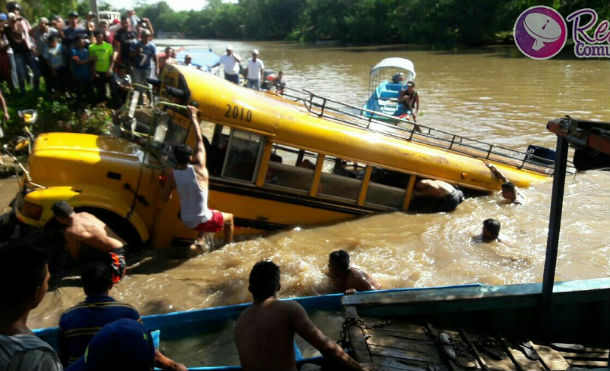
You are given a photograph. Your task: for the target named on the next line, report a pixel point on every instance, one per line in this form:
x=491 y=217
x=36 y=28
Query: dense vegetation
x=440 y=22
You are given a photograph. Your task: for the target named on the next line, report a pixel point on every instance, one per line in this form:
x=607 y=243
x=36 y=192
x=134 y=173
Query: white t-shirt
x=231 y=67
x=254 y=69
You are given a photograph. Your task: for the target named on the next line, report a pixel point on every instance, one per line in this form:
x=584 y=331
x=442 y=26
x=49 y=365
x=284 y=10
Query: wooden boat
x=178 y=326
x=382 y=103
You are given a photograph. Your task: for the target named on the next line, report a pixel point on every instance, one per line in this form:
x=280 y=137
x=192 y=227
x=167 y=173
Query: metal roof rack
x=408 y=130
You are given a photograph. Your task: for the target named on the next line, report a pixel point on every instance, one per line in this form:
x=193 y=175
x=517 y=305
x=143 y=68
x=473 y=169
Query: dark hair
x=340 y=258
x=492 y=226
x=23 y=267
x=182 y=153
x=121 y=67
x=62 y=209
x=97 y=278
x=98 y=32
x=508 y=186
x=264 y=279
x=51 y=39
x=411 y=83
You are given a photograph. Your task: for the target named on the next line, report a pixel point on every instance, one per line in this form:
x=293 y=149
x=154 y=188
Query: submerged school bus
x=273 y=162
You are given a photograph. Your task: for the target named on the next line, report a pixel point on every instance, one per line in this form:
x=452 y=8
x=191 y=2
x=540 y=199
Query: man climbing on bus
x=191 y=179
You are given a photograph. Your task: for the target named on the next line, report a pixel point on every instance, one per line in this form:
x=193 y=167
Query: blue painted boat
x=182 y=325
x=201 y=58
x=382 y=103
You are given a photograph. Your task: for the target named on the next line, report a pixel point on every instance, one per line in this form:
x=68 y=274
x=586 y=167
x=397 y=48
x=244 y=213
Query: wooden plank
x=398 y=343
x=474 y=349
x=551 y=358
x=402 y=335
x=589 y=363
x=383 y=363
x=519 y=359
x=483 y=343
x=586 y=355
x=356 y=337
x=428 y=357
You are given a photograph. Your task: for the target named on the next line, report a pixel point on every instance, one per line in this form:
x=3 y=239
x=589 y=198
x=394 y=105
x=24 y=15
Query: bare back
x=264 y=335
x=87 y=230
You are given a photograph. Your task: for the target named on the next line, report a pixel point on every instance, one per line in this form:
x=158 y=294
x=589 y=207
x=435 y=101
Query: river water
x=491 y=94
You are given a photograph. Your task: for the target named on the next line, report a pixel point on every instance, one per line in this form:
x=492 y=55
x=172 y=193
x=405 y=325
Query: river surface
x=491 y=94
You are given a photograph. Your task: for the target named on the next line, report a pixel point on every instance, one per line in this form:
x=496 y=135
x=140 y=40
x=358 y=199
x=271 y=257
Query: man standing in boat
x=264 y=333
x=230 y=62
x=191 y=179
x=254 y=71
x=410 y=99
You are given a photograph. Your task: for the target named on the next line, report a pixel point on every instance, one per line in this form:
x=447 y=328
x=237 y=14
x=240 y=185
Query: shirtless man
x=191 y=179
x=410 y=99
x=509 y=190
x=490 y=232
x=264 y=333
x=88 y=238
x=348 y=279
x=435 y=196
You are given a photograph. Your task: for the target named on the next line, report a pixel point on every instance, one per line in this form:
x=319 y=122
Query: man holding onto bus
x=191 y=179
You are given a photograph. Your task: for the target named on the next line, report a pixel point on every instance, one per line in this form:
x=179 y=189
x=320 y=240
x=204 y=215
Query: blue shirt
x=81 y=322
x=55 y=56
x=80 y=71
x=147 y=53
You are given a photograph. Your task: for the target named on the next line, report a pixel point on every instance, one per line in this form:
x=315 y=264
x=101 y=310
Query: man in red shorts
x=191 y=179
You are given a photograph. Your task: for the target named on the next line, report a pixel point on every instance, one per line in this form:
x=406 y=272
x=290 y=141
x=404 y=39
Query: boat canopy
x=395 y=63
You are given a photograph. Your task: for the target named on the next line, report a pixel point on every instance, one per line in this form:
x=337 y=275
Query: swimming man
x=348 y=279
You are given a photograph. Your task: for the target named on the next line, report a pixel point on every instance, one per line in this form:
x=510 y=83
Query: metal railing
x=408 y=130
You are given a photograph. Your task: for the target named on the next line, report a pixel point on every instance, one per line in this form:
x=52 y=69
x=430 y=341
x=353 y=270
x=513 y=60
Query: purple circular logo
x=540 y=32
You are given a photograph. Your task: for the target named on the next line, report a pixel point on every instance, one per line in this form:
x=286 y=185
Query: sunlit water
x=488 y=94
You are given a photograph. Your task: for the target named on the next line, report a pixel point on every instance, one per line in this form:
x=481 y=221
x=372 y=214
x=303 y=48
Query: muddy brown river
x=491 y=94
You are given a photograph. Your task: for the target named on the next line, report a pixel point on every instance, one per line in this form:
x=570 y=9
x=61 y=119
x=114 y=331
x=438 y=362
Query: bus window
x=387 y=188
x=291 y=167
x=340 y=179
x=243 y=151
x=216 y=139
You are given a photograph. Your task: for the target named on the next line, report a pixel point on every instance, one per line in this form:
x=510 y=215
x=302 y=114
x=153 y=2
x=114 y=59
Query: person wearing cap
x=254 y=71
x=79 y=324
x=104 y=57
x=124 y=344
x=230 y=62
x=41 y=34
x=24 y=281
x=73 y=30
x=264 y=333
x=17 y=34
x=144 y=54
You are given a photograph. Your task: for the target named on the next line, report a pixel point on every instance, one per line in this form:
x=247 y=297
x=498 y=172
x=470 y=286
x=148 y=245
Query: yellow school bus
x=273 y=162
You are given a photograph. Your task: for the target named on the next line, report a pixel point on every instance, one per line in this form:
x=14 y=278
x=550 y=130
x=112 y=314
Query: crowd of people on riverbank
x=74 y=56
x=94 y=62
